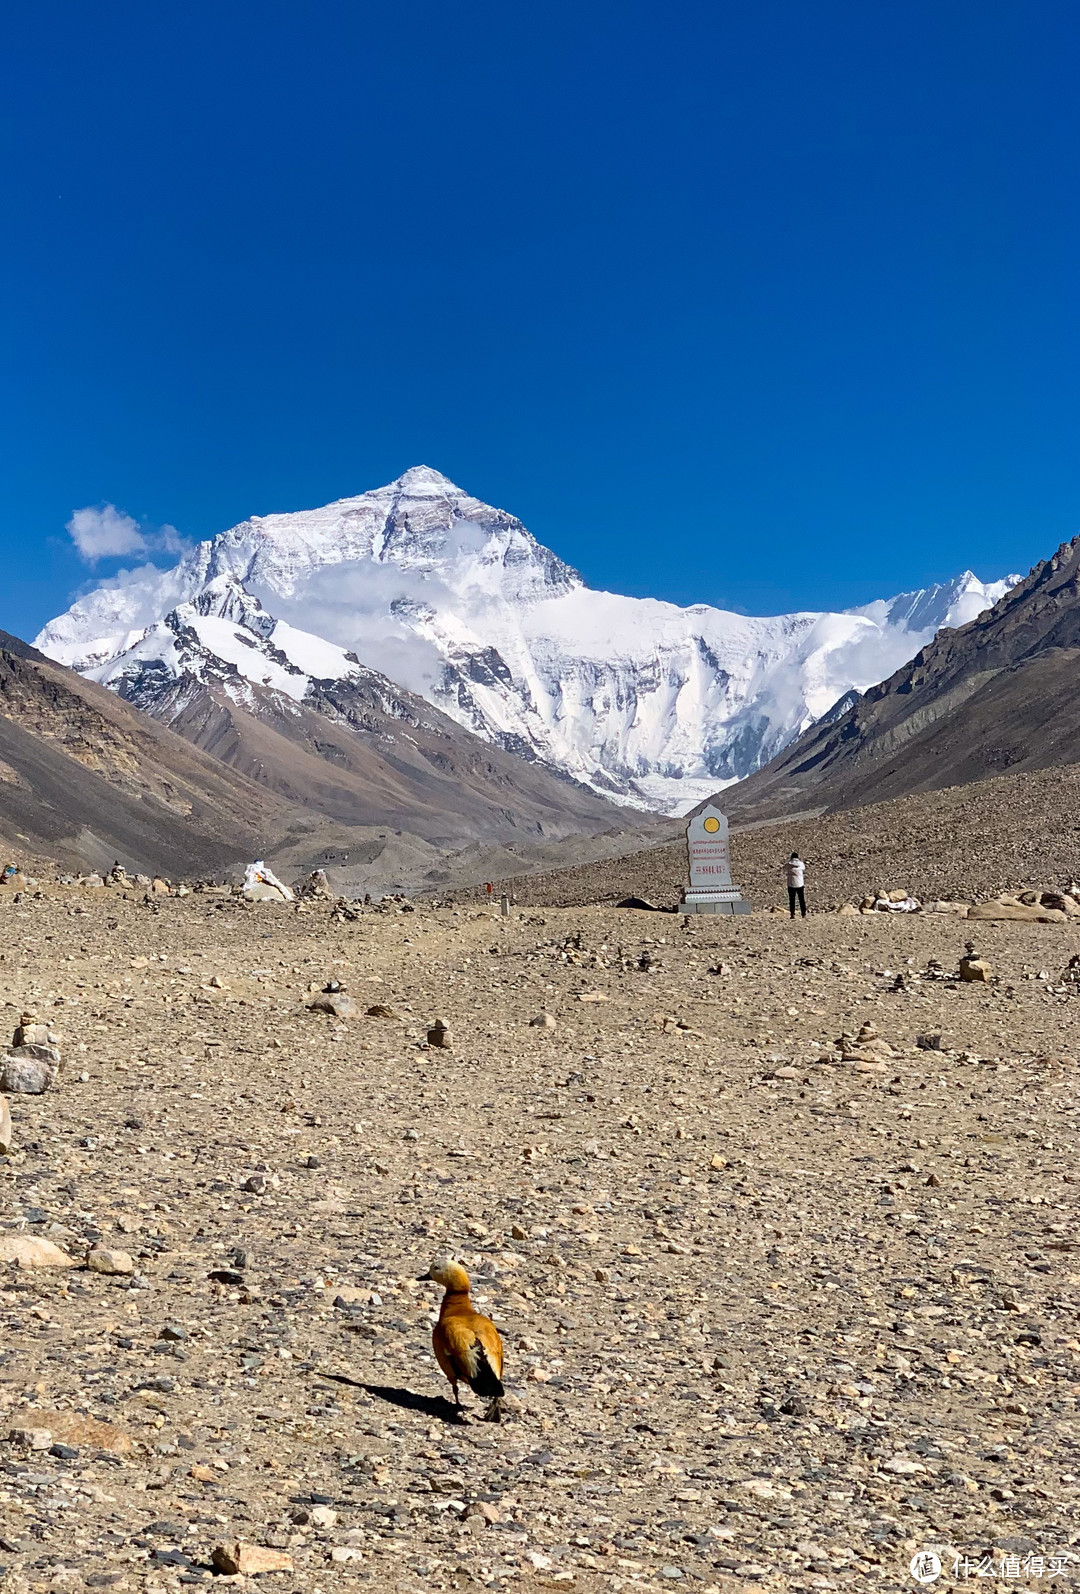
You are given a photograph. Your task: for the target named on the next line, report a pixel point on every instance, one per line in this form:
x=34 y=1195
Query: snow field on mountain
x=649 y=703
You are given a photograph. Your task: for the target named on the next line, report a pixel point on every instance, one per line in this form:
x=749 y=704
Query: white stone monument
x=711 y=889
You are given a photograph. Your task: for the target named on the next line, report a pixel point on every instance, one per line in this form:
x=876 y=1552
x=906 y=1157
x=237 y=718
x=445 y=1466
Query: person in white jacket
x=795 y=870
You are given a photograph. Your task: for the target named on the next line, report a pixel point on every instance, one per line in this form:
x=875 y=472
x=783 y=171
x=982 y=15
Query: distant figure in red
x=795 y=870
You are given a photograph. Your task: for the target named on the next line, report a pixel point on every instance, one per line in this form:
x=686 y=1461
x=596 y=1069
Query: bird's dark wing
x=485 y=1381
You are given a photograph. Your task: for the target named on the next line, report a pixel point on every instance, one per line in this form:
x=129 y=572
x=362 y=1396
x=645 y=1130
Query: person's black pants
x=797 y=893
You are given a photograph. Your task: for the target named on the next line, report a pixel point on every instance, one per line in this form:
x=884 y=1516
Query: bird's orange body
x=467 y=1345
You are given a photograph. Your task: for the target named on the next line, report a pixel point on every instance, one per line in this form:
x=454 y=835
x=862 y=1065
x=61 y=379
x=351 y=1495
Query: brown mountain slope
x=364 y=752
x=87 y=779
x=996 y=694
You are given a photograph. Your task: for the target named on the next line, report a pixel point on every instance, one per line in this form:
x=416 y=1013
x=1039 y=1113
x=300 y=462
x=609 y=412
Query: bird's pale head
x=451 y=1275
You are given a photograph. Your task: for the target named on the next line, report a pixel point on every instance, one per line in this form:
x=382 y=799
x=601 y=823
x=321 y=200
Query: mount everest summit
x=421 y=585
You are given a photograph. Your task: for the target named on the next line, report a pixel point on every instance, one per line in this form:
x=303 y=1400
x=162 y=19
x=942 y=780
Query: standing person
x=795 y=870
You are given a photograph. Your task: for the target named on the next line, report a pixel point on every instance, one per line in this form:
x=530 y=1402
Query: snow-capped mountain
x=649 y=703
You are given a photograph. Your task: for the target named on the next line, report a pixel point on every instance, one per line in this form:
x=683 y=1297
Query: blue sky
x=768 y=305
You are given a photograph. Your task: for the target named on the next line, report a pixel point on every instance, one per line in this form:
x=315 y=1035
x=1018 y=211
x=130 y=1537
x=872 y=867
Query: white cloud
x=353 y=604
x=104 y=532
x=171 y=540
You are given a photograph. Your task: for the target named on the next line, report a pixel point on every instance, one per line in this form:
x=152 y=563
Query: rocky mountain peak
x=423 y=481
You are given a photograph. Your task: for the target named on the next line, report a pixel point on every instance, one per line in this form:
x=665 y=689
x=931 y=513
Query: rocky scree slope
x=456 y=602
x=998 y=693
x=1002 y=834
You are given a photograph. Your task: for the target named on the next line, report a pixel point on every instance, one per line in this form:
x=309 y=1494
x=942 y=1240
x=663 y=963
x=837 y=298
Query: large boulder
x=261 y=892
x=1019 y=912
x=27 y=1252
x=29 y=1070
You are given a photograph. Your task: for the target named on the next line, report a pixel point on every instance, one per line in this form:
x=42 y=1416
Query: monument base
x=729 y=902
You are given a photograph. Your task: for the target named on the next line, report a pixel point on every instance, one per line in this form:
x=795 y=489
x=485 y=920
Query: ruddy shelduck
x=466 y=1344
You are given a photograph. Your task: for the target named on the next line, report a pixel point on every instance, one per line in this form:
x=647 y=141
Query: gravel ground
x=773 y=1322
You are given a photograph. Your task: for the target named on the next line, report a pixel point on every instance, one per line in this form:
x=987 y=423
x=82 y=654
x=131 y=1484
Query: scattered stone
x=30 y=1438
x=227 y=1275
x=336 y=1003
x=543 y=1021
x=160 y=1386
x=865 y=1047
x=439 y=1034
x=484 y=1509
x=30 y=1032
x=102 y=1260
x=76 y=1428
x=972 y=968
x=7 y=1133
x=249 y=1559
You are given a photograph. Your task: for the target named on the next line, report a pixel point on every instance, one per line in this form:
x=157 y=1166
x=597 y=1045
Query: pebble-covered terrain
x=787 y=1296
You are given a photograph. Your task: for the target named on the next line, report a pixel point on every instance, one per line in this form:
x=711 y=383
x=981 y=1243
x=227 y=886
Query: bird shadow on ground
x=431 y=1405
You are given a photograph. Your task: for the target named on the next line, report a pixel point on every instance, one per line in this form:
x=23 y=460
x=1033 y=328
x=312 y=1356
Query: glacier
x=648 y=703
